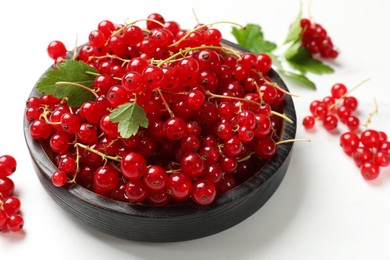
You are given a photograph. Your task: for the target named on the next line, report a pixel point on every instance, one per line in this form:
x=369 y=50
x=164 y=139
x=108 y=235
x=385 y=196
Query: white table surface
x=323 y=208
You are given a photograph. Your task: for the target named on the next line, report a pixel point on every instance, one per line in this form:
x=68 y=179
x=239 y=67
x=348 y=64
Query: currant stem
x=275 y=85
x=212 y=95
x=184 y=52
x=201 y=27
x=75 y=48
x=349 y=92
x=77 y=85
x=73 y=180
x=104 y=156
x=141 y=20
x=171 y=114
x=293 y=140
x=245 y=158
x=368 y=122
x=97 y=74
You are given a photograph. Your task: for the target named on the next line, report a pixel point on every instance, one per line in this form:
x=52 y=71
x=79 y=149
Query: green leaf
x=252 y=38
x=300 y=78
x=130 y=117
x=301 y=59
x=54 y=81
x=295 y=31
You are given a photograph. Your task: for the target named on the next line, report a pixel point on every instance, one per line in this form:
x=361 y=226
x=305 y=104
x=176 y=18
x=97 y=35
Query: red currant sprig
x=370 y=149
x=10 y=218
x=316 y=39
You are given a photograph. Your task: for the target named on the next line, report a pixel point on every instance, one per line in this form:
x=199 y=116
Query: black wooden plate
x=172 y=222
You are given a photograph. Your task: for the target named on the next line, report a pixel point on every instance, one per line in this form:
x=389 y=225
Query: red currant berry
x=7 y=165
x=133 y=166
x=338 y=90
x=203 y=192
x=136 y=190
x=369 y=171
x=179 y=186
x=192 y=165
x=15 y=223
x=106 y=178
x=11 y=205
x=330 y=122
x=349 y=142
x=308 y=122
x=370 y=138
x=155 y=177
x=175 y=128
x=59 y=178
x=56 y=49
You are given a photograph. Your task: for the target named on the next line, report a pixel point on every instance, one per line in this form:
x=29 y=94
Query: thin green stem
x=104 y=156
x=77 y=85
x=201 y=27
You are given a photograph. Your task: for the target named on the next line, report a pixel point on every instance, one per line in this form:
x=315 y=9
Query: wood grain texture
x=172 y=222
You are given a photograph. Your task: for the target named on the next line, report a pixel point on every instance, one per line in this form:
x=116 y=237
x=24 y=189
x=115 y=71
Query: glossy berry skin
x=203 y=192
x=133 y=166
x=15 y=222
x=11 y=205
x=369 y=171
x=192 y=165
x=7 y=165
x=56 y=49
x=155 y=177
x=338 y=90
x=59 y=178
x=308 y=122
x=7 y=187
x=349 y=141
x=330 y=122
x=179 y=186
x=106 y=178
x=175 y=128
x=136 y=190
x=370 y=138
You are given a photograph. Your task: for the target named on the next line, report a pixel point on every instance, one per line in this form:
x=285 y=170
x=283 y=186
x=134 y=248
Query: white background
x=322 y=210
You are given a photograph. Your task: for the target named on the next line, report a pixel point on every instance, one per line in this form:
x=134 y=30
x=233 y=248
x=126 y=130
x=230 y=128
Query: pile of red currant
x=214 y=115
x=370 y=149
x=10 y=218
x=316 y=40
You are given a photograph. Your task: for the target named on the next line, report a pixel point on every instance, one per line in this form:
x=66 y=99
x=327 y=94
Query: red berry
x=7 y=165
x=203 y=192
x=308 y=122
x=369 y=171
x=56 y=49
x=179 y=186
x=59 y=178
x=338 y=90
x=133 y=166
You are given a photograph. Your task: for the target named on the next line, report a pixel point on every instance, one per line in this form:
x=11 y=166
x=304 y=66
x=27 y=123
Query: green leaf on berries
x=301 y=59
x=299 y=78
x=252 y=38
x=130 y=117
x=295 y=32
x=61 y=82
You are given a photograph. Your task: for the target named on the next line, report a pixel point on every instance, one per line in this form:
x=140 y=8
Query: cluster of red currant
x=339 y=106
x=10 y=218
x=316 y=40
x=370 y=149
x=214 y=114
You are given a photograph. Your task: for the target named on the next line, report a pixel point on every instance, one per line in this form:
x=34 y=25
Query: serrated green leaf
x=300 y=78
x=69 y=71
x=301 y=59
x=252 y=39
x=295 y=31
x=130 y=117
